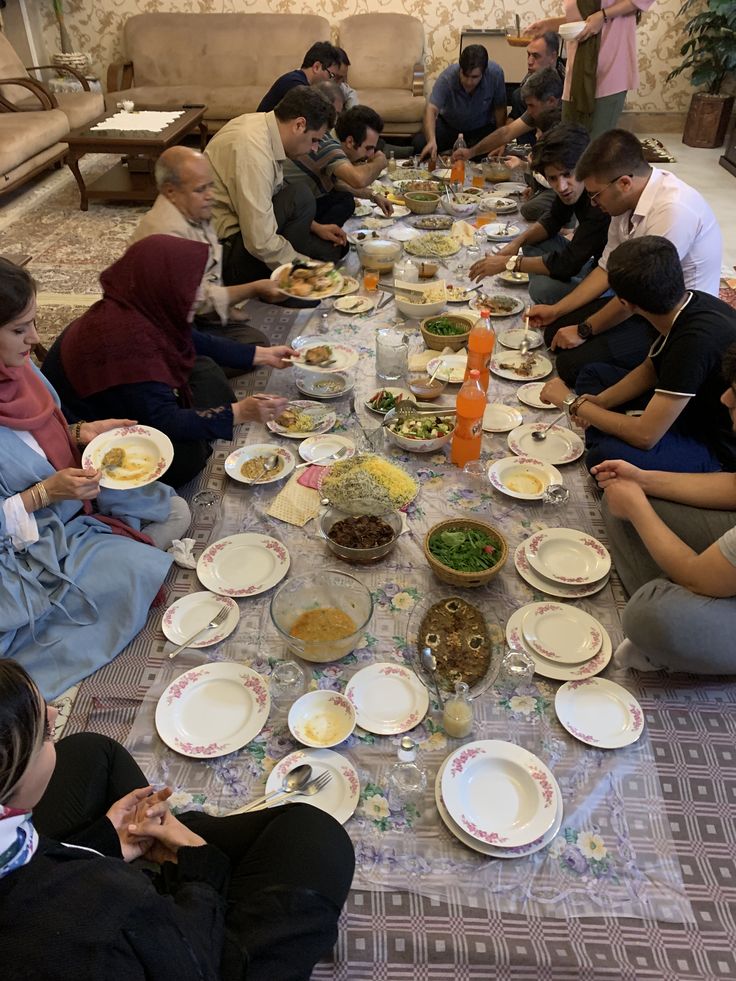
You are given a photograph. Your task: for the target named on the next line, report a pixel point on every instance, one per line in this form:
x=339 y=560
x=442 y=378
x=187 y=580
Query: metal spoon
x=294 y=780
x=430 y=663
x=269 y=464
x=541 y=434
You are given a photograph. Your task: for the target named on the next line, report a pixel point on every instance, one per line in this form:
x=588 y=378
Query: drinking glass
x=555 y=495
x=370 y=280
x=288 y=682
x=206 y=504
x=392 y=354
x=517 y=670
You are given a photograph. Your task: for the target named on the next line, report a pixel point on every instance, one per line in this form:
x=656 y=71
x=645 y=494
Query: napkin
x=310 y=477
x=183 y=551
x=296 y=505
x=464 y=232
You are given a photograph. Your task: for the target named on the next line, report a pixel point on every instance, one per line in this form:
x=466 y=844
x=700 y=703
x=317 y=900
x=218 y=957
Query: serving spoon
x=430 y=663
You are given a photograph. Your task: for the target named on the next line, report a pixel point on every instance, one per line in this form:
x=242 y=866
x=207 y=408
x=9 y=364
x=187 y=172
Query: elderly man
x=320 y=64
x=350 y=96
x=469 y=98
x=261 y=222
x=542 y=52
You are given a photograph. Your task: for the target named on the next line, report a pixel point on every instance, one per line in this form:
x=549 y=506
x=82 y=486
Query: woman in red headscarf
x=135 y=353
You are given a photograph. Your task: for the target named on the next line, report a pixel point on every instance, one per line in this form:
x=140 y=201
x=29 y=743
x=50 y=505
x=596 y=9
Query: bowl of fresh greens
x=465 y=551
x=422 y=433
x=449 y=330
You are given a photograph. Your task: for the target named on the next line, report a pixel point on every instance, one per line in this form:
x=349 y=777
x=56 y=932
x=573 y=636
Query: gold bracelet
x=43 y=495
x=34 y=499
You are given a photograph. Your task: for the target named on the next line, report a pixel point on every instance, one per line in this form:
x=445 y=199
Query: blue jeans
x=547 y=289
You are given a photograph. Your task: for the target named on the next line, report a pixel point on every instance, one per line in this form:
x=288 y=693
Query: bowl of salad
x=465 y=552
x=449 y=330
x=423 y=433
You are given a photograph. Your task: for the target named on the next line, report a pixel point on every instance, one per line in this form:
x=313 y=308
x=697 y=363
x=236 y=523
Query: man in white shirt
x=261 y=222
x=588 y=325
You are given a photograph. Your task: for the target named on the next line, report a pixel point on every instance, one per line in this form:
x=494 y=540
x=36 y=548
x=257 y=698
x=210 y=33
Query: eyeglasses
x=594 y=197
x=332 y=75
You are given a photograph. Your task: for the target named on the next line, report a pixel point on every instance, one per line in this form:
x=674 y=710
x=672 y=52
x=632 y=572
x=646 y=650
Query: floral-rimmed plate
x=243 y=565
x=212 y=710
x=562 y=445
x=388 y=699
x=399 y=211
x=342 y=356
x=147 y=455
x=349 y=285
x=514 y=278
x=237 y=458
x=334 y=286
x=499 y=793
x=557 y=589
x=452 y=370
x=500 y=418
x=501 y=205
x=324 y=420
x=328 y=386
x=341 y=795
x=513 y=338
x=599 y=712
x=497 y=304
x=523 y=477
x=516 y=366
x=493 y=850
x=354 y=304
x=403 y=392
x=568 y=556
x=550 y=669
x=361 y=210
x=192 y=612
x=561 y=633
x=319 y=447
x=529 y=395
x=501 y=231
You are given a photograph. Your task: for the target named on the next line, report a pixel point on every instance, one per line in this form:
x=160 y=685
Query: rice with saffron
x=368 y=478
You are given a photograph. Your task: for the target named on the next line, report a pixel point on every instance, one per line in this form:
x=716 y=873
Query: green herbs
x=384 y=400
x=465 y=550
x=445 y=327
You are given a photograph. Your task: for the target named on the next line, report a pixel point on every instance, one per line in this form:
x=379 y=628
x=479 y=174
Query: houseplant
x=709 y=56
x=67 y=56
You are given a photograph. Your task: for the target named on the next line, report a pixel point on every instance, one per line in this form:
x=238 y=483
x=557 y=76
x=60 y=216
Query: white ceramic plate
x=562 y=445
x=513 y=338
x=331 y=290
x=393 y=391
x=343 y=356
x=500 y=418
x=522 y=477
x=500 y=231
x=324 y=420
x=493 y=850
x=349 y=285
x=499 y=793
x=513 y=362
x=213 y=710
x=568 y=556
x=513 y=278
x=501 y=205
x=148 y=455
x=452 y=370
x=190 y=613
x=361 y=210
x=238 y=457
x=549 y=669
x=511 y=305
x=403 y=233
x=561 y=633
x=341 y=795
x=327 y=386
x=317 y=447
x=243 y=565
x=458 y=294
x=400 y=211
x=529 y=395
x=599 y=712
x=354 y=304
x=508 y=188
x=388 y=699
x=557 y=589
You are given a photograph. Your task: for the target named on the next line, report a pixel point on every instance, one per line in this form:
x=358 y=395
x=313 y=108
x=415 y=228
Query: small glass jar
x=406 y=780
x=457 y=714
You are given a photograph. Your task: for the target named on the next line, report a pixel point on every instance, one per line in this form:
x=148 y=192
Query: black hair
x=543 y=85
x=646 y=271
x=728 y=365
x=548 y=118
x=552 y=41
x=472 y=57
x=17 y=289
x=304 y=101
x=615 y=153
x=356 y=122
x=323 y=52
x=344 y=60
x=561 y=146
x=22 y=725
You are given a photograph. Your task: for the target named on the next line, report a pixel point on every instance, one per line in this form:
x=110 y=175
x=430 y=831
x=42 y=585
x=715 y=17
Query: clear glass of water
x=288 y=682
x=555 y=495
x=206 y=506
x=392 y=354
x=517 y=670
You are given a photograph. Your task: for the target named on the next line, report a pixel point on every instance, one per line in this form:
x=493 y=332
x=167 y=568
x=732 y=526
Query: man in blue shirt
x=321 y=64
x=469 y=98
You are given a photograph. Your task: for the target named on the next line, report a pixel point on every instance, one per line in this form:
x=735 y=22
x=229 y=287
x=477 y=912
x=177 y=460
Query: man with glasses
x=588 y=326
x=321 y=64
x=469 y=98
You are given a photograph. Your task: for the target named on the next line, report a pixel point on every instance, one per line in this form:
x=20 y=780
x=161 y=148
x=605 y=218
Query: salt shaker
x=406 y=780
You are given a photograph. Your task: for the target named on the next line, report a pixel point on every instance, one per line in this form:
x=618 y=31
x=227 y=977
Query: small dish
x=500 y=418
x=321 y=719
x=354 y=304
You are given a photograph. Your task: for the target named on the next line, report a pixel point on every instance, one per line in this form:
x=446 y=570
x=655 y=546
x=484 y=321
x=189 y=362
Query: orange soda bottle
x=457 y=174
x=481 y=341
x=466 y=439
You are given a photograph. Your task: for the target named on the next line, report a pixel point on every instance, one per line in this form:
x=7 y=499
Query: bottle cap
x=407 y=750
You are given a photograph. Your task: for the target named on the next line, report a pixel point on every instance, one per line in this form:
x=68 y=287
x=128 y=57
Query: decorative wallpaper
x=97 y=29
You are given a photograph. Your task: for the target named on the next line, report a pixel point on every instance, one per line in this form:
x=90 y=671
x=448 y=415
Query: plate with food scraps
x=599 y=712
x=354 y=304
x=193 y=612
x=212 y=710
x=402 y=233
x=402 y=174
x=561 y=632
x=362 y=235
x=328 y=386
x=500 y=418
x=361 y=210
x=567 y=555
x=502 y=206
x=452 y=370
x=388 y=698
x=457 y=294
x=386 y=399
x=524 y=477
x=434 y=223
x=530 y=395
x=549 y=669
x=515 y=366
x=318 y=354
x=512 y=189
x=399 y=211
x=243 y=565
x=349 y=285
x=558 y=589
x=561 y=445
x=501 y=231
x=378 y=221
x=302 y=418
x=246 y=463
x=517 y=336
x=497 y=304
x=308 y=279
x=325 y=447
x=514 y=278
x=129 y=456
x=433 y=244
x=339 y=797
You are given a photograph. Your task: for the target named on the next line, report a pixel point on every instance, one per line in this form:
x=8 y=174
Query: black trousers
x=447 y=135
x=334 y=208
x=233 y=330
x=291 y=867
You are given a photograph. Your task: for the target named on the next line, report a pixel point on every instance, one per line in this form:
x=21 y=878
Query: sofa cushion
x=396 y=105
x=79 y=108
x=225 y=102
x=25 y=134
x=383 y=49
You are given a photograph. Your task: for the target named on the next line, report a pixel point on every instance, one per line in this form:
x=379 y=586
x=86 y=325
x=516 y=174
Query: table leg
x=203 y=134
x=73 y=161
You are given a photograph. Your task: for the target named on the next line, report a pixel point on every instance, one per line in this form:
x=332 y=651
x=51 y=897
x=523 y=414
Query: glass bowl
x=378 y=254
x=420 y=385
x=359 y=556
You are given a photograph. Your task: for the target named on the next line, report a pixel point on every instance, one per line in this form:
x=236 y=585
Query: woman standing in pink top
x=601 y=62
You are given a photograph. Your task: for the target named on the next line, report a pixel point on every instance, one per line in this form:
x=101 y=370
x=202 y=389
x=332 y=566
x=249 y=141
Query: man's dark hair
x=544 y=84
x=17 y=289
x=548 y=118
x=728 y=366
x=356 y=122
x=332 y=92
x=323 y=52
x=613 y=154
x=647 y=271
x=552 y=42
x=304 y=101
x=344 y=60
x=562 y=146
x=472 y=57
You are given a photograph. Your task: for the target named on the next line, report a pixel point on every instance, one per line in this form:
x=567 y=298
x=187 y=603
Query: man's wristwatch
x=585 y=330
x=568 y=402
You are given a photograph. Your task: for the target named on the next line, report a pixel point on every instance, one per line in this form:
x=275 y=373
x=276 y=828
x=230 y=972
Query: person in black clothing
x=321 y=64
x=555 y=264
x=253 y=897
x=541 y=52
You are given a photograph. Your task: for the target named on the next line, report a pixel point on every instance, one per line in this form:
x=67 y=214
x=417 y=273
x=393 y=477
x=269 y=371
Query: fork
x=309 y=790
x=218 y=619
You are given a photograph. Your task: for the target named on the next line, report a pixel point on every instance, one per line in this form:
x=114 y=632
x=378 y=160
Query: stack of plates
x=565 y=643
x=563 y=562
x=498 y=799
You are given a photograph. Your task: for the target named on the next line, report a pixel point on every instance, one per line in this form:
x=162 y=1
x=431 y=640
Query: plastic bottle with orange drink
x=457 y=174
x=481 y=341
x=468 y=434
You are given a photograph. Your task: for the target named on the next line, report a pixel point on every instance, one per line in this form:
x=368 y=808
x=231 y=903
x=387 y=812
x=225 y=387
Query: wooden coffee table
x=120 y=183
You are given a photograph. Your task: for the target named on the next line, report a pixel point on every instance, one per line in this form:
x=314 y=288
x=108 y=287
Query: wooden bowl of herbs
x=446 y=330
x=465 y=552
